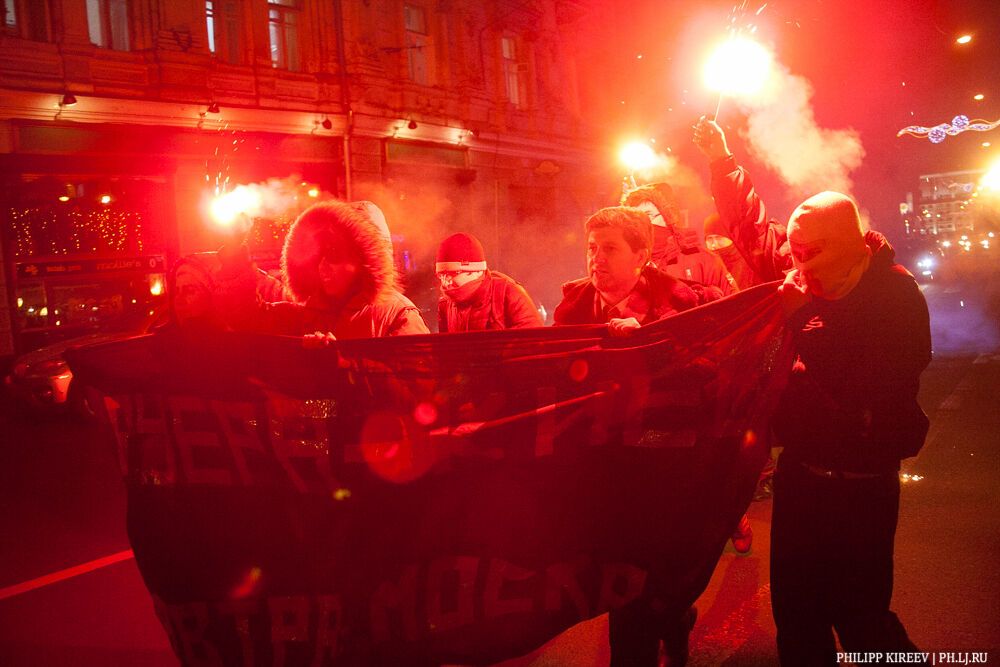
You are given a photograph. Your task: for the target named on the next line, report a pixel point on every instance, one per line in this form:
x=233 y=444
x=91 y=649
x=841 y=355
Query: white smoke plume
x=783 y=133
x=276 y=197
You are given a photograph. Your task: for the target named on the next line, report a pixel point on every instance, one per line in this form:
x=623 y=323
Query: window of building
x=27 y=19
x=515 y=71
x=223 y=22
x=10 y=15
x=415 y=22
x=107 y=21
x=283 y=25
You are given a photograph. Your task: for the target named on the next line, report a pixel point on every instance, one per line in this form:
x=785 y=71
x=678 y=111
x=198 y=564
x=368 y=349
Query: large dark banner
x=458 y=498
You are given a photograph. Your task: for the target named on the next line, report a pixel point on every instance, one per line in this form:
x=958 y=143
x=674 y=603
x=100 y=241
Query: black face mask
x=466 y=291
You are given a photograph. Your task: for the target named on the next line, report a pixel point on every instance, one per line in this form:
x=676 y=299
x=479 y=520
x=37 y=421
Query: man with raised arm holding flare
x=847 y=417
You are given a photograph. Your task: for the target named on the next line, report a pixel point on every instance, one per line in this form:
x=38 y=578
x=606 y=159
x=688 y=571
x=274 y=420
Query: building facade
x=121 y=120
x=943 y=206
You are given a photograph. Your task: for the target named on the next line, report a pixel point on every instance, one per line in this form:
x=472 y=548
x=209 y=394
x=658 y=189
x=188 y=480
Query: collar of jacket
x=577 y=305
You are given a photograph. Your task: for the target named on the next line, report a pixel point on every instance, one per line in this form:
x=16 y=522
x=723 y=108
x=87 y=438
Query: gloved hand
x=710 y=138
x=317 y=340
x=622 y=326
x=793 y=293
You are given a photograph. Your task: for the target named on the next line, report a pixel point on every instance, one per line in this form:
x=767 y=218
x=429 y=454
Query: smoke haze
x=783 y=133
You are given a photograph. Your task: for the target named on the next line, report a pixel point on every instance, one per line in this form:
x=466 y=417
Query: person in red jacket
x=625 y=291
x=474 y=298
x=718 y=243
x=762 y=242
x=676 y=248
x=338 y=269
x=678 y=252
x=621 y=288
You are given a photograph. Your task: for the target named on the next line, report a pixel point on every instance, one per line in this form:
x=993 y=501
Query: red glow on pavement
x=62 y=575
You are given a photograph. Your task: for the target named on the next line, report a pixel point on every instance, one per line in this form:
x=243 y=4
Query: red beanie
x=461 y=252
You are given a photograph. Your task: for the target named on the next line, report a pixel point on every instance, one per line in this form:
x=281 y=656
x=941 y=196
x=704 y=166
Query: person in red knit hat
x=474 y=298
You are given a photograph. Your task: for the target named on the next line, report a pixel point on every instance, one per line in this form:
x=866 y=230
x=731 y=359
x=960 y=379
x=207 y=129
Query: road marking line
x=61 y=575
x=954 y=400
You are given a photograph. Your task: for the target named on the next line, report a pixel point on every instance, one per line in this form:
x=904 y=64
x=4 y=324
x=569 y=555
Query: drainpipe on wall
x=345 y=94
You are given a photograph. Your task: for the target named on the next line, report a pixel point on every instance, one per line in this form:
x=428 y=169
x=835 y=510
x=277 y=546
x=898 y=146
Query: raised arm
x=762 y=242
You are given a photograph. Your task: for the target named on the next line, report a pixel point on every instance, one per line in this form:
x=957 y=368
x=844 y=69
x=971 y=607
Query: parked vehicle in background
x=41 y=380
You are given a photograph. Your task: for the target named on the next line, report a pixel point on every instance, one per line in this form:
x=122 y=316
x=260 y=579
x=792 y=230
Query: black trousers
x=831 y=565
x=635 y=632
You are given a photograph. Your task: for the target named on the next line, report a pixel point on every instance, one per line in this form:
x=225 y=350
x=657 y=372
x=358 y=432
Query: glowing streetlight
x=105 y=199
x=978 y=97
x=991 y=179
x=964 y=39
x=738 y=67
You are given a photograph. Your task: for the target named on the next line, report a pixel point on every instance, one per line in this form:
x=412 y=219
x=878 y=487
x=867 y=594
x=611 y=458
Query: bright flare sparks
x=738 y=67
x=226 y=208
x=637 y=155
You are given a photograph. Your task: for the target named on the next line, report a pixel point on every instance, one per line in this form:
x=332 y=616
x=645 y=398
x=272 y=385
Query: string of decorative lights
x=939 y=133
x=43 y=230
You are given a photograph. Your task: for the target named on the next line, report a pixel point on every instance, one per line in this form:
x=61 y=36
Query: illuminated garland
x=958 y=124
x=50 y=231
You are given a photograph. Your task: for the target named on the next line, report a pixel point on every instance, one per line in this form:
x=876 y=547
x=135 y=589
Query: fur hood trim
x=314 y=230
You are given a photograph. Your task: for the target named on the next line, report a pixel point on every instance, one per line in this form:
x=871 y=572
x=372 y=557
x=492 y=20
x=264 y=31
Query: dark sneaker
x=743 y=537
